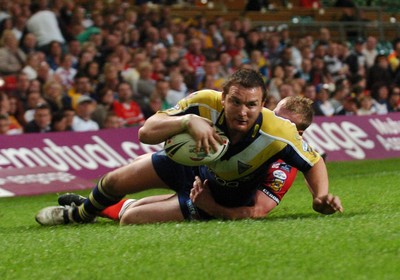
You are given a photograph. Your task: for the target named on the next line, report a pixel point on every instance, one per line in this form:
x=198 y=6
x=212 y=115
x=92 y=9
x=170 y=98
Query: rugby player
x=257 y=138
x=279 y=179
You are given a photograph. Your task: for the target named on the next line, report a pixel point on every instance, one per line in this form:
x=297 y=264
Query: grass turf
x=292 y=243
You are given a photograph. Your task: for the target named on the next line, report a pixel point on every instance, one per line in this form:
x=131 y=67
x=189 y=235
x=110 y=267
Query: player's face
x=242 y=107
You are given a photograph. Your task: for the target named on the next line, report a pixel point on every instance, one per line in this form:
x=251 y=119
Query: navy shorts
x=179 y=178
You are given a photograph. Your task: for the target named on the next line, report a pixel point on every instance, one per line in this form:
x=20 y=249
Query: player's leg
x=144 y=212
x=114 y=212
x=137 y=176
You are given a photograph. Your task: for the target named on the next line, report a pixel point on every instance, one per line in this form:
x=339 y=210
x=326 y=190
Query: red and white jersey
x=278 y=180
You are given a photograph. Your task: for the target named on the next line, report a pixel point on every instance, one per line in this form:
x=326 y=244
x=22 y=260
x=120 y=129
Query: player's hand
x=202 y=130
x=200 y=194
x=327 y=204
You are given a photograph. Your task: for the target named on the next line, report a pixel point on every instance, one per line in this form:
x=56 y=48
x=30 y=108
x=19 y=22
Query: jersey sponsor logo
x=279 y=174
x=285 y=167
x=271 y=195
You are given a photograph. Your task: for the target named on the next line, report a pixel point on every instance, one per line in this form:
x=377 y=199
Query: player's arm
x=202 y=198
x=161 y=126
x=318 y=183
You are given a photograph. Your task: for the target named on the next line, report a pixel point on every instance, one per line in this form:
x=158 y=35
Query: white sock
x=125 y=206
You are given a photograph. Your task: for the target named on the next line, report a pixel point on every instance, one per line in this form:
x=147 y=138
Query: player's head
x=242 y=98
x=298 y=110
x=246 y=78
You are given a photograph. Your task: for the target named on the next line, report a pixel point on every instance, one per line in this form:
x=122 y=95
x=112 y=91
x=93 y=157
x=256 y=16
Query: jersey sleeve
x=278 y=180
x=205 y=103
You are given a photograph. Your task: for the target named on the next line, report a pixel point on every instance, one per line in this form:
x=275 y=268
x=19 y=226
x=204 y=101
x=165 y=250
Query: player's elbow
x=144 y=135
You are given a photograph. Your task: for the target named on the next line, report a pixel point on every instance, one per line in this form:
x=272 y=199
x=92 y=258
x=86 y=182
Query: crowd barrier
x=54 y=162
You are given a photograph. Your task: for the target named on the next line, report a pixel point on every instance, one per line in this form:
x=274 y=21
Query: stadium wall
x=53 y=162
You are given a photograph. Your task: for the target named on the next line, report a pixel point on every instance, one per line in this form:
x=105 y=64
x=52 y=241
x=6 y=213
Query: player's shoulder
x=275 y=125
x=206 y=96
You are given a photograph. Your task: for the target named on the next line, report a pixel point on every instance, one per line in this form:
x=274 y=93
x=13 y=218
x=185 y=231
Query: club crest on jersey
x=277 y=184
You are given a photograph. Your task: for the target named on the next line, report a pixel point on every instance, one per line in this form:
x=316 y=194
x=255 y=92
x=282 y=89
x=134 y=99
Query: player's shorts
x=179 y=178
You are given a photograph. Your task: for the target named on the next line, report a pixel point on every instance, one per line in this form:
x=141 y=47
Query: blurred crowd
x=89 y=65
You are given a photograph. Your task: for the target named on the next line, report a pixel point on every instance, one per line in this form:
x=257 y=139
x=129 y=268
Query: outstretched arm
x=202 y=198
x=318 y=184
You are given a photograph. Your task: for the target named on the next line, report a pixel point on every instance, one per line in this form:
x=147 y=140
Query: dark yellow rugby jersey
x=245 y=164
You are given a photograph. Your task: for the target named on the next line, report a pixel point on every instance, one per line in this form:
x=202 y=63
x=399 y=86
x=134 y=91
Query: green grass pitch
x=292 y=243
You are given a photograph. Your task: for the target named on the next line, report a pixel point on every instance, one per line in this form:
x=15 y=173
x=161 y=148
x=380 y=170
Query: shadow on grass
x=33 y=227
x=313 y=216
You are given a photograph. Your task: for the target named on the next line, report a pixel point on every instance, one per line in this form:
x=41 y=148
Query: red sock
x=112 y=211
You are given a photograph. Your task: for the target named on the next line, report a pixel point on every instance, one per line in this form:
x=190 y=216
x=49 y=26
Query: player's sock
x=112 y=212
x=97 y=201
x=125 y=206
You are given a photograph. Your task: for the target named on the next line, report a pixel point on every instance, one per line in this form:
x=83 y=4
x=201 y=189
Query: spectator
x=394 y=99
x=14 y=126
x=177 y=88
x=12 y=58
x=82 y=120
x=380 y=94
x=110 y=78
x=319 y=73
x=195 y=57
x=104 y=106
x=21 y=87
x=350 y=107
x=258 y=62
x=53 y=94
x=286 y=89
x=44 y=72
x=112 y=121
x=28 y=43
x=337 y=98
x=211 y=75
x=356 y=61
x=275 y=82
x=16 y=110
x=145 y=85
x=321 y=105
x=92 y=70
x=334 y=65
x=41 y=120
x=66 y=72
x=32 y=65
x=310 y=91
x=126 y=108
x=54 y=55
x=379 y=72
x=59 y=122
x=305 y=70
x=366 y=106
x=33 y=99
x=81 y=87
x=4 y=124
x=370 y=52
x=44 y=25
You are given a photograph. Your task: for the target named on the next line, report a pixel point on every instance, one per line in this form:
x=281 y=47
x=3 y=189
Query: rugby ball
x=181 y=148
